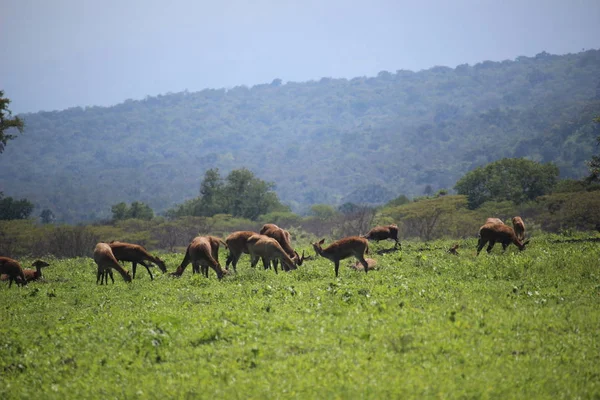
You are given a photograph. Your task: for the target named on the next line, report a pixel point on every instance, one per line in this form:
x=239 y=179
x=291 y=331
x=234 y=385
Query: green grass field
x=427 y=324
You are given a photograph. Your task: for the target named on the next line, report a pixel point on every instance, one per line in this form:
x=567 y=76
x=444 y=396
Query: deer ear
x=321 y=241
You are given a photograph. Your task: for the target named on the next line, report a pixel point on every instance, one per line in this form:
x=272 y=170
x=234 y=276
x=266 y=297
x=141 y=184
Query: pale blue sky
x=63 y=53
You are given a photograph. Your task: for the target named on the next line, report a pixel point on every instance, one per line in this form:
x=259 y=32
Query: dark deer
x=11 y=270
x=135 y=254
x=493 y=233
x=384 y=232
x=351 y=246
x=106 y=262
x=237 y=245
x=269 y=249
x=519 y=227
x=202 y=252
x=283 y=237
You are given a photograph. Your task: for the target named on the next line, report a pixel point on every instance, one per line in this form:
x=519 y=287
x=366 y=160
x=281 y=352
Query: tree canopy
x=594 y=163
x=240 y=194
x=7 y=124
x=514 y=179
x=14 y=209
x=137 y=210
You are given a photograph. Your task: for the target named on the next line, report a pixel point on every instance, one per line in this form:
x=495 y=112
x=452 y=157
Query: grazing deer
x=35 y=274
x=11 y=270
x=106 y=262
x=237 y=245
x=136 y=254
x=267 y=248
x=519 y=227
x=493 y=233
x=351 y=246
x=384 y=232
x=202 y=252
x=283 y=237
x=494 y=221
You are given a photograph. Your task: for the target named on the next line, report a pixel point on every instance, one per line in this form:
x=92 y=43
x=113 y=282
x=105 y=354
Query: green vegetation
x=8 y=124
x=11 y=209
x=514 y=179
x=427 y=324
x=242 y=195
x=365 y=140
x=137 y=210
x=594 y=163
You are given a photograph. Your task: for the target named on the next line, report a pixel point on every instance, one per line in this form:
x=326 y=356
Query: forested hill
x=366 y=139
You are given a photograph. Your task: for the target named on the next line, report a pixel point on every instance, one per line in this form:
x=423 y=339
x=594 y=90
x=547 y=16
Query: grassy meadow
x=426 y=324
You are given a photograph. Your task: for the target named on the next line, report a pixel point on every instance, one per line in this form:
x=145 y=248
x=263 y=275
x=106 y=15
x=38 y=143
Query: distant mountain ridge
x=366 y=139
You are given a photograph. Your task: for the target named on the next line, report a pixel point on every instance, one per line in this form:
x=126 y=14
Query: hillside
x=367 y=139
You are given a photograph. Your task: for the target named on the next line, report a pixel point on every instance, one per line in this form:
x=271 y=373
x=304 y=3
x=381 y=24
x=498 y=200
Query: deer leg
x=195 y=267
x=205 y=270
x=231 y=259
x=98 y=275
x=235 y=261
x=147 y=269
x=337 y=267
x=217 y=268
x=364 y=263
x=490 y=246
x=480 y=245
x=266 y=263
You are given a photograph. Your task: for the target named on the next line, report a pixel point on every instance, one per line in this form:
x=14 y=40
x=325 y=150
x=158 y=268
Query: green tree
x=398 y=201
x=119 y=211
x=47 y=216
x=514 y=179
x=137 y=210
x=322 y=211
x=242 y=195
x=211 y=194
x=7 y=123
x=594 y=163
x=11 y=209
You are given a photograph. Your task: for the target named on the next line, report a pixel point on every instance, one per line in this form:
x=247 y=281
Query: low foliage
x=425 y=324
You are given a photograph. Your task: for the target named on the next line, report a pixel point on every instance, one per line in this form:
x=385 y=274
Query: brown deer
x=267 y=248
x=351 y=246
x=35 y=274
x=519 y=227
x=370 y=261
x=493 y=233
x=453 y=249
x=202 y=252
x=494 y=221
x=11 y=270
x=237 y=245
x=384 y=232
x=283 y=237
x=106 y=262
x=136 y=254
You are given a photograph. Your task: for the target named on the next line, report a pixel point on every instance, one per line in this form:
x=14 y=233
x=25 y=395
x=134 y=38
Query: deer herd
x=272 y=245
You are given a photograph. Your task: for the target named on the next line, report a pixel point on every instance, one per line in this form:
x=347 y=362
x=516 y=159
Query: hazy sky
x=63 y=53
